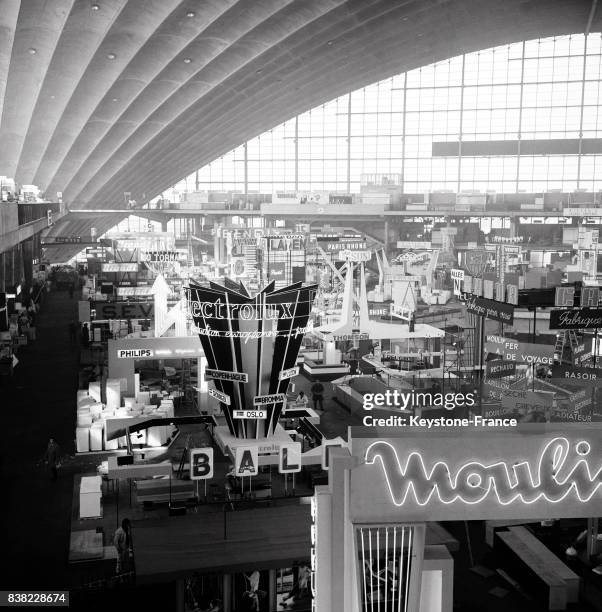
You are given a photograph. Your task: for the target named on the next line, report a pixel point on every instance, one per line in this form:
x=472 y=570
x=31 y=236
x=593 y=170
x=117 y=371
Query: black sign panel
x=497 y=311
x=498 y=368
x=123 y=310
x=581 y=375
x=578 y=318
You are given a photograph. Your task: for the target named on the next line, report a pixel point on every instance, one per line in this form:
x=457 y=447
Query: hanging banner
x=246 y=461
x=497 y=311
x=510 y=349
x=119 y=267
x=500 y=369
x=579 y=318
x=201 y=463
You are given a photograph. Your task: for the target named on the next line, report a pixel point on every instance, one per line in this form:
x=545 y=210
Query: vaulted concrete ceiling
x=102 y=97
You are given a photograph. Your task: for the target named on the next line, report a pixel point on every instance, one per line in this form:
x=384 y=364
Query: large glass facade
x=520 y=117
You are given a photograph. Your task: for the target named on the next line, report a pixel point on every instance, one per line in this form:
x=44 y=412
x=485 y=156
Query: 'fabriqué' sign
x=468 y=474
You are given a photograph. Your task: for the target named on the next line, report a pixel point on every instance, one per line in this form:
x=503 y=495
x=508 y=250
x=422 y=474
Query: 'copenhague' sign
x=533 y=472
x=580 y=318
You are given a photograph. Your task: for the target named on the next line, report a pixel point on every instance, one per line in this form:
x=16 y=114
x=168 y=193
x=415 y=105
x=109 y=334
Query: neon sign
x=560 y=471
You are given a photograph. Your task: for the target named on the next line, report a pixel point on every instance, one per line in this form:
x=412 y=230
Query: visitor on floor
x=52 y=458
x=122 y=542
x=317 y=392
x=72 y=331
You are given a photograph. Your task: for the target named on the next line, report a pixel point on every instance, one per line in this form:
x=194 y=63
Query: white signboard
x=226 y=375
x=134 y=291
x=219 y=396
x=134 y=353
x=354 y=255
x=289 y=460
x=246 y=461
x=290 y=373
x=251 y=414
x=260 y=400
x=201 y=463
x=119 y=267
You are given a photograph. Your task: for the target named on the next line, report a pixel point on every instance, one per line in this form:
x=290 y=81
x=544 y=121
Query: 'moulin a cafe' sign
x=532 y=471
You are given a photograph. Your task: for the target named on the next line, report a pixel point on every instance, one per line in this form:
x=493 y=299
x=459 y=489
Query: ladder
x=569 y=336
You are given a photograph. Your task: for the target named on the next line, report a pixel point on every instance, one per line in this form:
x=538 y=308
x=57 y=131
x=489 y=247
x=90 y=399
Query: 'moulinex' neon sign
x=562 y=471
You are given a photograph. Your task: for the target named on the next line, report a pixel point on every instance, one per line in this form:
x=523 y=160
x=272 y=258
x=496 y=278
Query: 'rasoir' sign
x=485 y=475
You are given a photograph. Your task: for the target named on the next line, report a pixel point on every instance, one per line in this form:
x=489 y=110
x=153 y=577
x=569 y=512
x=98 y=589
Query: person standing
x=52 y=458
x=85 y=336
x=123 y=542
x=72 y=331
x=317 y=393
x=71 y=290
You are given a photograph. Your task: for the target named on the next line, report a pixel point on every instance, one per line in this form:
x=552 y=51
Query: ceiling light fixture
x=115 y=99
x=95 y=7
x=330 y=43
x=258 y=71
x=111 y=56
x=187 y=60
x=32 y=51
x=190 y=14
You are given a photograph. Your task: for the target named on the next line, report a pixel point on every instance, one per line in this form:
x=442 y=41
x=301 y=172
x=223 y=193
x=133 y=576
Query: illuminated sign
x=477 y=475
x=134 y=353
x=582 y=318
x=226 y=375
x=219 y=396
x=274 y=398
x=247 y=312
x=525 y=352
x=201 y=463
x=343 y=245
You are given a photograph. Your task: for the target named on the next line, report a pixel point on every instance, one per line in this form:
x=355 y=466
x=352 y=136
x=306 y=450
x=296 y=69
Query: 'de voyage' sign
x=524 y=352
x=461 y=474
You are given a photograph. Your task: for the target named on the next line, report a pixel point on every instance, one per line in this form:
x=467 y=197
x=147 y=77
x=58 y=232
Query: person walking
x=317 y=394
x=71 y=290
x=52 y=458
x=72 y=331
x=85 y=336
x=123 y=543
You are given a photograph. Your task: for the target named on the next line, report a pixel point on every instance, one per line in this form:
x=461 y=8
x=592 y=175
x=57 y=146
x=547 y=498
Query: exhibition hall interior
x=300 y=305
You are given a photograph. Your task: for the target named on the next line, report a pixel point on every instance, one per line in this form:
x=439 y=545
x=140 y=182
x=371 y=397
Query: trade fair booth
x=368 y=532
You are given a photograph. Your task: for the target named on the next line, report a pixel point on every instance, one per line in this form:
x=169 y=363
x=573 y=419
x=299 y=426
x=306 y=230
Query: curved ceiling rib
x=98 y=98
x=195 y=133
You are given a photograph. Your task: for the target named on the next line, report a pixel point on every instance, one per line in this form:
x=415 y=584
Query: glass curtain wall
x=520 y=117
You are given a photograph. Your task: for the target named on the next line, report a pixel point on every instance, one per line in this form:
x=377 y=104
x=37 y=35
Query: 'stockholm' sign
x=497 y=311
x=579 y=318
x=477 y=475
x=219 y=396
